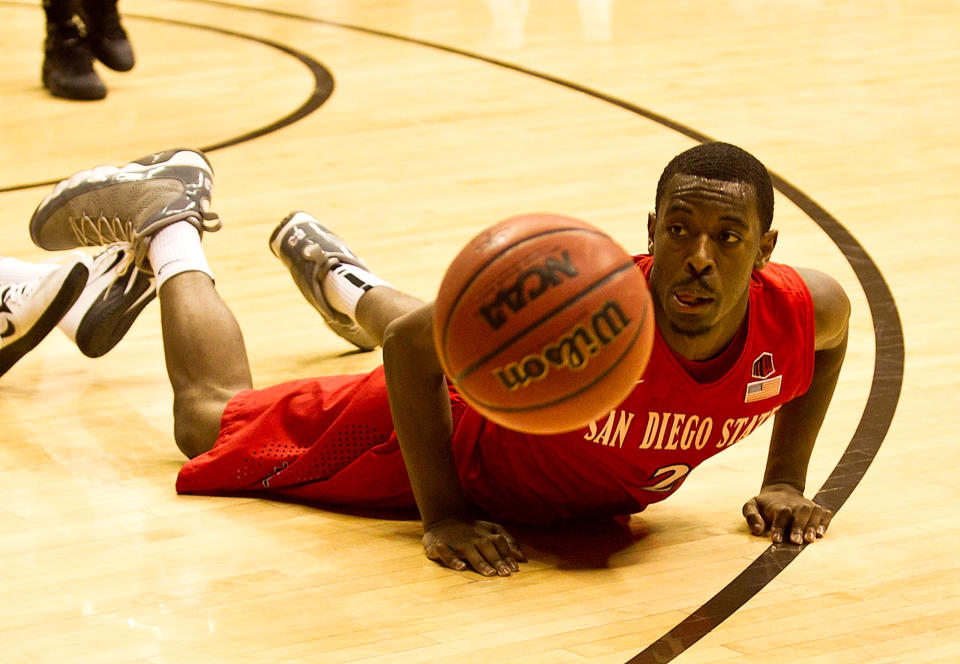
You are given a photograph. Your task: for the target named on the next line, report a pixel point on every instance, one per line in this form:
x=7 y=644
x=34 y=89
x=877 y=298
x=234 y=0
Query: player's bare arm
x=781 y=505
x=420 y=407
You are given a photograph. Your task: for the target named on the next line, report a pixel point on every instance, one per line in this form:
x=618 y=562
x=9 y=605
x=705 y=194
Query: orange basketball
x=543 y=323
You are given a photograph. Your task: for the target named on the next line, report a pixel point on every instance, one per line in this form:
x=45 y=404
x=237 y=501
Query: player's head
x=710 y=231
x=722 y=161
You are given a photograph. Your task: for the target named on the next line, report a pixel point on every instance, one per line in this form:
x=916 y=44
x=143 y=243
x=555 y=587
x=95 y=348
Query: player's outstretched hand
x=486 y=546
x=783 y=509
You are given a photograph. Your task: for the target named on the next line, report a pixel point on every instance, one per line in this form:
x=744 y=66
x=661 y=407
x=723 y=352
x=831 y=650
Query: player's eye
x=729 y=237
x=677 y=230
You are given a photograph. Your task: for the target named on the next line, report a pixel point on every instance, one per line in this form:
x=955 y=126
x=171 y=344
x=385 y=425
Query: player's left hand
x=783 y=509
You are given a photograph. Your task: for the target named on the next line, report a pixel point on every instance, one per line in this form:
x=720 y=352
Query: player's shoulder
x=831 y=306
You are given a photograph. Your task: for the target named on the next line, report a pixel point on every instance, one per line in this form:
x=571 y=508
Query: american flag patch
x=763 y=389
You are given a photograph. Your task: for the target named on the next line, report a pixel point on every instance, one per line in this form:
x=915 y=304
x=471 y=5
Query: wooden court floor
x=408 y=126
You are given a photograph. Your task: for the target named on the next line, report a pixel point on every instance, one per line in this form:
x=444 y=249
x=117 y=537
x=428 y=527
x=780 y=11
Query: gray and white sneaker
x=103 y=205
x=115 y=294
x=309 y=250
x=29 y=310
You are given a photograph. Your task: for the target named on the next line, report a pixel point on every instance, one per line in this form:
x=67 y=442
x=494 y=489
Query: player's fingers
x=492 y=556
x=478 y=562
x=503 y=539
x=515 y=550
x=824 y=522
x=781 y=518
x=754 y=520
x=503 y=548
x=445 y=555
x=800 y=520
x=810 y=533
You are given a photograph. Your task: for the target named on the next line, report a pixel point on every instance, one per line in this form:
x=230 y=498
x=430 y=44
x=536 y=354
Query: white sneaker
x=29 y=310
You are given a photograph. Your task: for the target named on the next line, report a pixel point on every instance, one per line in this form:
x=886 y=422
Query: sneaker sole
x=85 y=92
x=72 y=286
x=98 y=333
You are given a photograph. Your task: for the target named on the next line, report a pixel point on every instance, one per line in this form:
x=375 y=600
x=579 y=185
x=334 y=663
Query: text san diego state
x=672 y=431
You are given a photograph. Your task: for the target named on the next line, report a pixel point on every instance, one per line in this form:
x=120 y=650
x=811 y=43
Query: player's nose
x=700 y=260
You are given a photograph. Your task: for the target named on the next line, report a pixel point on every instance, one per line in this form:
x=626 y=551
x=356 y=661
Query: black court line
x=322 y=89
x=884 y=389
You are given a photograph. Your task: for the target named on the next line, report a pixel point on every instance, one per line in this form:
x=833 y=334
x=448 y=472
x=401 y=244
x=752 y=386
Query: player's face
x=706 y=240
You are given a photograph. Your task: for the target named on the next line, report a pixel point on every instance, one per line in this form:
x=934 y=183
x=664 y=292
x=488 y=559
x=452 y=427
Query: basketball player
x=739 y=340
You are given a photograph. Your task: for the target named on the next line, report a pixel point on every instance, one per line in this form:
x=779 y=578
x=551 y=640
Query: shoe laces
x=322 y=263
x=121 y=265
x=103 y=230
x=210 y=221
x=109 y=230
x=17 y=293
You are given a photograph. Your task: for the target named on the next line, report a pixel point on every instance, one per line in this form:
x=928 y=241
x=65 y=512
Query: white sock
x=177 y=249
x=344 y=285
x=14 y=271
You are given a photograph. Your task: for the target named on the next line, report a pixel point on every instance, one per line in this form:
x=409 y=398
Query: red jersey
x=642 y=451
x=330 y=440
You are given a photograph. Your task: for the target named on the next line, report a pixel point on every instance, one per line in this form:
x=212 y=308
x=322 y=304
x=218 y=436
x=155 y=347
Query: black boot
x=68 y=64
x=105 y=33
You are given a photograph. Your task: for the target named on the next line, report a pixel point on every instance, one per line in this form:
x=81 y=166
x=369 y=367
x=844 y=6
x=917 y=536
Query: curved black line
x=322 y=89
x=878 y=411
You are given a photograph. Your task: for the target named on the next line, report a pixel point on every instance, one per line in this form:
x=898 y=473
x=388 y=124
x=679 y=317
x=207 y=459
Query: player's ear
x=651 y=225
x=767 y=243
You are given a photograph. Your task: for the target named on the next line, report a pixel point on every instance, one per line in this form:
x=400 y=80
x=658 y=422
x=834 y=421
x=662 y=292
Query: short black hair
x=728 y=163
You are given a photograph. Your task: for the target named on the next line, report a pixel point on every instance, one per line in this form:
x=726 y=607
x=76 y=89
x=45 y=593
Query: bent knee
x=196 y=421
x=191 y=443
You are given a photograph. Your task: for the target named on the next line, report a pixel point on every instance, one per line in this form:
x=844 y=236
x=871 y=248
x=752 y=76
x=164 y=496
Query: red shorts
x=328 y=440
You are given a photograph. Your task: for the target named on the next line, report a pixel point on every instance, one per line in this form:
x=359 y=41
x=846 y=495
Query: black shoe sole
x=96 y=336
x=76 y=94
x=276 y=231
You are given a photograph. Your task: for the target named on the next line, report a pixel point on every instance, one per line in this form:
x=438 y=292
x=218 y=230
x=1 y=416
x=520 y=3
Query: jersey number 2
x=669 y=477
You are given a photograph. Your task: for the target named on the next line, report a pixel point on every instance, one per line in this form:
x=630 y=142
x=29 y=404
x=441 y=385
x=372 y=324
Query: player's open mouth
x=690 y=301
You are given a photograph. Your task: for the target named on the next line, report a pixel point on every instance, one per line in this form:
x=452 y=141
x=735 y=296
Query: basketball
x=543 y=323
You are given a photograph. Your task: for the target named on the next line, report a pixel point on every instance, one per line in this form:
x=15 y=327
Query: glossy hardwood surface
x=415 y=151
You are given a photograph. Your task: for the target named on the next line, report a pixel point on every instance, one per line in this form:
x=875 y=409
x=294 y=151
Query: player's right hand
x=486 y=546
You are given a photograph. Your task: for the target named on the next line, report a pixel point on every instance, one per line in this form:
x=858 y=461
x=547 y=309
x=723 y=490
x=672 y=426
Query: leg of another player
x=205 y=356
